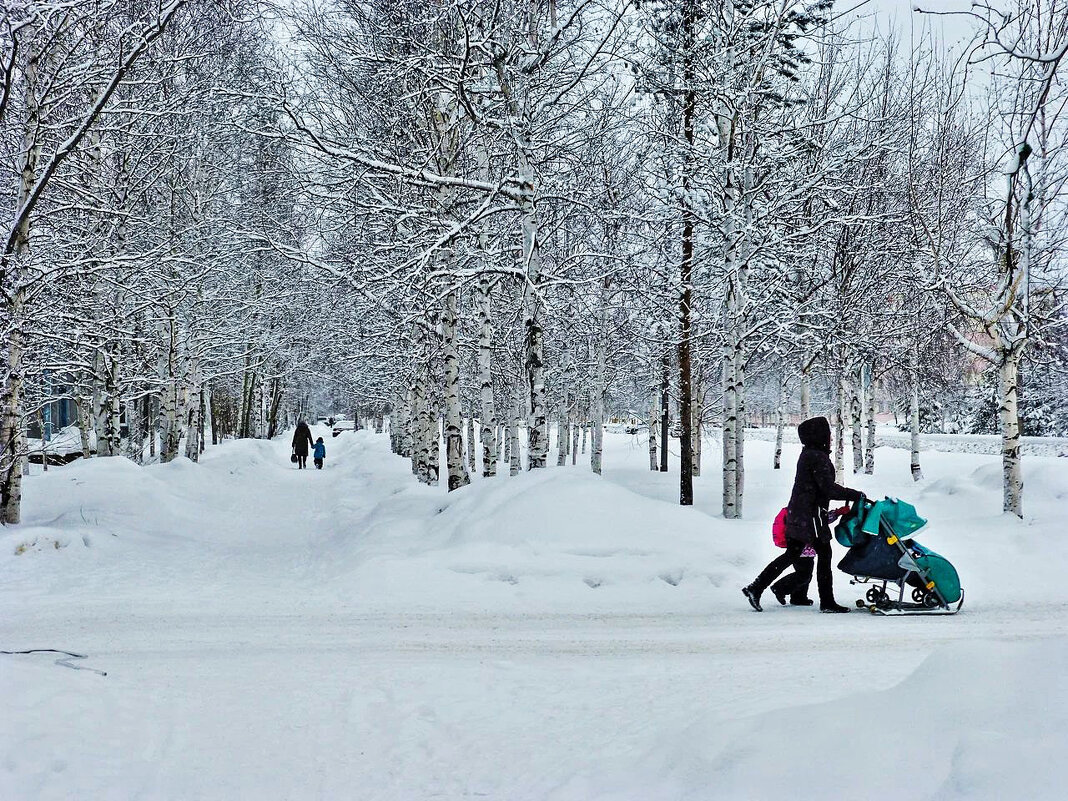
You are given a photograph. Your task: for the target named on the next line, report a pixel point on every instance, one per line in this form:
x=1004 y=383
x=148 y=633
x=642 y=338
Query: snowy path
x=273 y=634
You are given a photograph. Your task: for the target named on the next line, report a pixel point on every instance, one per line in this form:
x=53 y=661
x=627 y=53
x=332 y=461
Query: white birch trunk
x=84 y=424
x=135 y=444
x=696 y=431
x=472 y=465
x=839 y=424
x=575 y=439
x=434 y=435
x=914 y=416
x=488 y=421
x=869 y=450
x=506 y=444
x=739 y=438
x=454 y=443
x=780 y=420
x=99 y=415
x=562 y=436
x=597 y=402
x=654 y=419
x=730 y=436
x=112 y=411
x=406 y=440
x=855 y=413
x=1012 y=473
x=11 y=435
x=417 y=423
x=513 y=463
x=152 y=423
x=537 y=418
x=170 y=407
x=192 y=431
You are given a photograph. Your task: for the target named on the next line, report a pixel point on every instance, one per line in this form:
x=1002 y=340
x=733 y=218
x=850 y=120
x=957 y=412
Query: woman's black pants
x=795 y=583
x=794 y=548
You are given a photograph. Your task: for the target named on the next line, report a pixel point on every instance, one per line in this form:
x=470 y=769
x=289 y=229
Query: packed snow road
x=271 y=633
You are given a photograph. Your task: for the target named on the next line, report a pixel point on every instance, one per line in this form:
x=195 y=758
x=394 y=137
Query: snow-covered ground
x=347 y=634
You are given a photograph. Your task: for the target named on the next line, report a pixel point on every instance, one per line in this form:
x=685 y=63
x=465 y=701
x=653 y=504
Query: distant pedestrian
x=807 y=519
x=319 y=453
x=302 y=439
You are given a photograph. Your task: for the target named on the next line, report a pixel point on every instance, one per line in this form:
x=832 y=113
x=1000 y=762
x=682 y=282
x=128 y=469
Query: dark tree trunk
x=686 y=268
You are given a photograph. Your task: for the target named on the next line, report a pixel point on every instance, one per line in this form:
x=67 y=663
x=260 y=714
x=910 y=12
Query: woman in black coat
x=302 y=440
x=806 y=518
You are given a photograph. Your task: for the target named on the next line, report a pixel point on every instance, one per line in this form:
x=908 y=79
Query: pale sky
x=899 y=13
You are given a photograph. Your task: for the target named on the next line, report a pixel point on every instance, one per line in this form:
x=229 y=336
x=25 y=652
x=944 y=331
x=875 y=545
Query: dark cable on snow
x=65 y=662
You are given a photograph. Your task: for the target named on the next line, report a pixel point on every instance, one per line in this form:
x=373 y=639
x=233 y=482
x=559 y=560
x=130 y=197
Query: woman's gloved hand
x=834 y=514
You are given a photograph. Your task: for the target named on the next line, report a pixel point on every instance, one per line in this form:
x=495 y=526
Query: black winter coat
x=814 y=484
x=302 y=440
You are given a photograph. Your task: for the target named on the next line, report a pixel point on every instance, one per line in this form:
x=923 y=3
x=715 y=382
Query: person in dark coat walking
x=807 y=517
x=302 y=441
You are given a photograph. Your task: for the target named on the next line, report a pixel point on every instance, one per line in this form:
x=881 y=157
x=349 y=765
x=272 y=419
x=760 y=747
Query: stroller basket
x=882 y=549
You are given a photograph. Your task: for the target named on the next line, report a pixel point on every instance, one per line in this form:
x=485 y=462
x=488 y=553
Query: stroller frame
x=926 y=601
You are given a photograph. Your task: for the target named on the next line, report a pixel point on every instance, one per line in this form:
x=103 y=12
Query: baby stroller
x=882 y=552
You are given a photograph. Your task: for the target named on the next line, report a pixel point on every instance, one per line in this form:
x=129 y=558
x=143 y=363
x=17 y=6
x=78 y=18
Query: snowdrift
x=978 y=720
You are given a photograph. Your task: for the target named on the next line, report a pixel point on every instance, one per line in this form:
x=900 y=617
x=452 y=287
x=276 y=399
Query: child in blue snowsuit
x=319 y=453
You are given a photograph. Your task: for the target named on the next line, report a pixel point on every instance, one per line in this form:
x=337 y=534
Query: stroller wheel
x=919 y=596
x=930 y=600
x=878 y=597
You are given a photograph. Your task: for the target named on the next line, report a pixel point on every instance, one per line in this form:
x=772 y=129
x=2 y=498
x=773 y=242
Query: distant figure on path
x=807 y=518
x=302 y=439
x=319 y=453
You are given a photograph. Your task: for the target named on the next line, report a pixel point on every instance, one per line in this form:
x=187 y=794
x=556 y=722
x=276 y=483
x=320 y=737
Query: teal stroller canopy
x=879 y=535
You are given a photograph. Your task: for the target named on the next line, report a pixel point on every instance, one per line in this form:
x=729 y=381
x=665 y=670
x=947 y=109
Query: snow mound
x=553 y=536
x=976 y=720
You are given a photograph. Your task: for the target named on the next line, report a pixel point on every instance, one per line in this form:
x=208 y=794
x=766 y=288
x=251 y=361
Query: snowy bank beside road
x=982 y=721
x=540 y=541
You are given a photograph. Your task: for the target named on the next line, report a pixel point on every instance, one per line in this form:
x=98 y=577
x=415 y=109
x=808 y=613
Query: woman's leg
x=799 y=591
x=824 y=581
